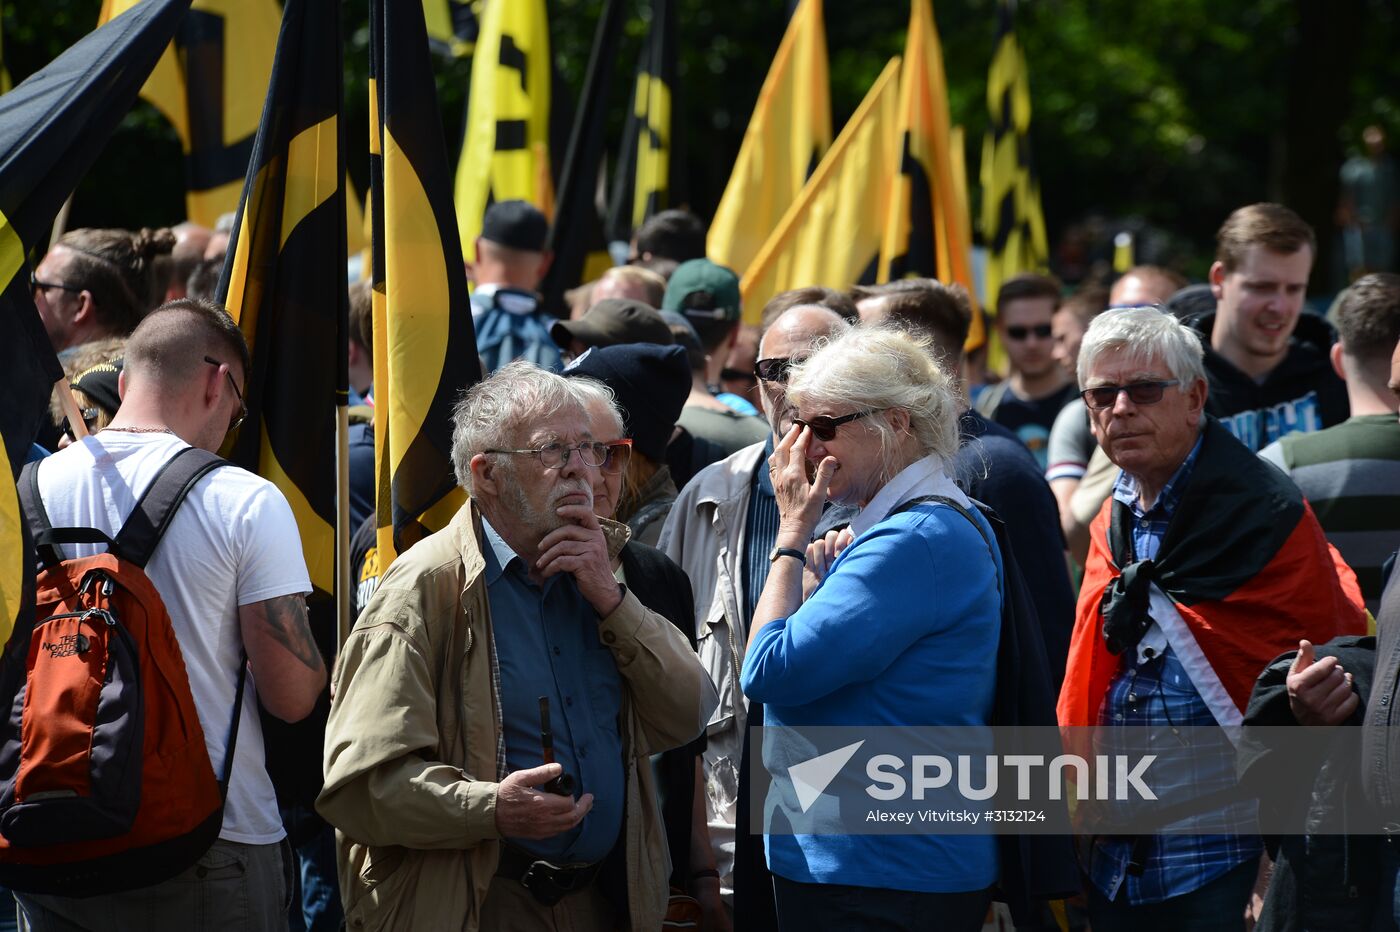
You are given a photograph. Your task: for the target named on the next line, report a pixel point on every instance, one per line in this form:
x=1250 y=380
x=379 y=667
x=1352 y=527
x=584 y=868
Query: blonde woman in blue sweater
x=900 y=625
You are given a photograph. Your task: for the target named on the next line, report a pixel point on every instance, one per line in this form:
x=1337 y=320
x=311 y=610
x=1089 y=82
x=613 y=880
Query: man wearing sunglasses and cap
x=1028 y=400
x=1204 y=565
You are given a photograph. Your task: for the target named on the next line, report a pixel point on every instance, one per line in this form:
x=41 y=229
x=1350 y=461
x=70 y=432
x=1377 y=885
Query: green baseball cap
x=702 y=290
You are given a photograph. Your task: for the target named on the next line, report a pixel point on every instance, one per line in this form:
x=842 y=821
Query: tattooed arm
x=283 y=655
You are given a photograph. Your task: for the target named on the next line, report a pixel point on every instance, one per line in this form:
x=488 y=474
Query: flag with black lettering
x=210 y=85
x=831 y=233
x=1013 y=226
x=285 y=283
x=505 y=152
x=788 y=133
x=53 y=126
x=424 y=345
x=642 y=183
x=923 y=235
x=453 y=26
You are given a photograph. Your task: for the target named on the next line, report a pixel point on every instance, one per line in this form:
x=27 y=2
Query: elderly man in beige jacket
x=449 y=815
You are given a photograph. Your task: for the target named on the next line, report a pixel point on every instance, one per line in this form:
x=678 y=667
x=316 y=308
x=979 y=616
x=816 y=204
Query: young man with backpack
x=227 y=566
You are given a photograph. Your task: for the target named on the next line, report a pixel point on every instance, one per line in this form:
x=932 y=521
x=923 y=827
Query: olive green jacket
x=413 y=747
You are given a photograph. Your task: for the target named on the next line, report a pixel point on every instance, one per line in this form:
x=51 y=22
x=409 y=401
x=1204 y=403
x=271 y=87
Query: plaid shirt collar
x=1125 y=490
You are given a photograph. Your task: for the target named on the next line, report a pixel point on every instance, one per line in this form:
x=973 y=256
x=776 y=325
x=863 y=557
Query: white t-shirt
x=232 y=542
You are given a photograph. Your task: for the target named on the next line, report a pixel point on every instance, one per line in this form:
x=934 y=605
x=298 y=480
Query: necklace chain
x=139 y=430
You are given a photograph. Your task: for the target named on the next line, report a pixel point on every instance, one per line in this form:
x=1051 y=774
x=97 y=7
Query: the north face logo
x=70 y=645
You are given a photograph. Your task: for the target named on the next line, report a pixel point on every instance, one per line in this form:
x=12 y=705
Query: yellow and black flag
x=53 y=126
x=1013 y=226
x=453 y=25
x=285 y=283
x=424 y=345
x=831 y=233
x=923 y=234
x=576 y=235
x=210 y=85
x=642 y=183
x=788 y=134
x=505 y=152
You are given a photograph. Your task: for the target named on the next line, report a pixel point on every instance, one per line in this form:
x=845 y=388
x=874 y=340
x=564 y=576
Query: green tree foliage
x=1172 y=111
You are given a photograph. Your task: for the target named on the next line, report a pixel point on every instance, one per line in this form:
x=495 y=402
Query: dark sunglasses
x=824 y=428
x=737 y=375
x=36 y=286
x=774 y=370
x=1139 y=393
x=237 y=422
x=1018 y=333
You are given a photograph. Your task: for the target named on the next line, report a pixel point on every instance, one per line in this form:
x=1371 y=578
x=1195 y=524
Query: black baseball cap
x=515 y=225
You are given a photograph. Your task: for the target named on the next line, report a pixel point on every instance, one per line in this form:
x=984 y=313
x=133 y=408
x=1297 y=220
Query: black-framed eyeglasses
x=824 y=428
x=36 y=286
x=1139 y=393
x=610 y=456
x=1019 y=333
x=237 y=422
x=776 y=369
x=737 y=375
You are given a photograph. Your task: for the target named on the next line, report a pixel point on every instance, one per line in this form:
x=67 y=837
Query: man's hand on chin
x=579 y=548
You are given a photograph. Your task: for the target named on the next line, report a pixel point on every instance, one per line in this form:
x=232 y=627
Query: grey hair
x=878 y=368
x=1147 y=333
x=493 y=412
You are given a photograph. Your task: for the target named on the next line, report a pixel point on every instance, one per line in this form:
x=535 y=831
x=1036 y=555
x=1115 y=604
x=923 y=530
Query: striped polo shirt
x=1350 y=474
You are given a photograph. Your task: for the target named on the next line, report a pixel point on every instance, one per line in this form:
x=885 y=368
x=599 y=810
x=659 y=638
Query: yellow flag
x=1012 y=223
x=452 y=25
x=210 y=85
x=788 y=133
x=977 y=331
x=831 y=233
x=923 y=235
x=506 y=152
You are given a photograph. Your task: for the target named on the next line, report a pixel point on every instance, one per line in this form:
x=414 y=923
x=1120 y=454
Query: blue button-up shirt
x=1157 y=695
x=760 y=534
x=547 y=644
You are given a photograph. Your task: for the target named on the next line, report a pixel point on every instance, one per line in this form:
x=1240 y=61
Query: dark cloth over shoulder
x=995 y=468
x=1244 y=562
x=1320 y=881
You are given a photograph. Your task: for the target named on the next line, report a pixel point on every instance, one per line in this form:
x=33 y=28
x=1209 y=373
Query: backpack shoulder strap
x=148 y=521
x=992 y=546
x=32 y=504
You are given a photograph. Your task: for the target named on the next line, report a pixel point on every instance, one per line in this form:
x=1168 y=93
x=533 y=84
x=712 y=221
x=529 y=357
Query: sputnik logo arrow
x=811 y=777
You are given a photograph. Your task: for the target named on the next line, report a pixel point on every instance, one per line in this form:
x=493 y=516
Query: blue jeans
x=1216 y=907
x=1386 y=918
x=316 y=901
x=815 y=907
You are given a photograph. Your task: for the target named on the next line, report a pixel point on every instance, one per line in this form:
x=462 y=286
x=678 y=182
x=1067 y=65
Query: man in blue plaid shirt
x=1204 y=565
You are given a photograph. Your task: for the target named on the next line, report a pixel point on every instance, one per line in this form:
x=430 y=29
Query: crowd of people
x=680 y=527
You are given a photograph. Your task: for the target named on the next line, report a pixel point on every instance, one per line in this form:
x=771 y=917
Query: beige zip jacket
x=412 y=753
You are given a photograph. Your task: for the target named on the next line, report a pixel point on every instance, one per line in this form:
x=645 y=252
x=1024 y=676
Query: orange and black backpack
x=105 y=782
